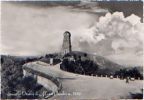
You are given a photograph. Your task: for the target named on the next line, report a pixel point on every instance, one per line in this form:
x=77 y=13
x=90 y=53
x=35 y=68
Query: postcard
x=72 y=49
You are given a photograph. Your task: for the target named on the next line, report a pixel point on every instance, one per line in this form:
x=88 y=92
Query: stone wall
x=47 y=81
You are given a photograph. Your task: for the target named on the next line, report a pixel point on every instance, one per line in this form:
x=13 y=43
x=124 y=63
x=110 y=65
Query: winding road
x=75 y=86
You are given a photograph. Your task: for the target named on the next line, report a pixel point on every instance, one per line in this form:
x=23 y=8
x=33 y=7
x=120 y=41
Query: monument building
x=66 y=46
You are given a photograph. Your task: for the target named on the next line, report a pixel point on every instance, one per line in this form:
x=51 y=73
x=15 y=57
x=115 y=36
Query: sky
x=37 y=29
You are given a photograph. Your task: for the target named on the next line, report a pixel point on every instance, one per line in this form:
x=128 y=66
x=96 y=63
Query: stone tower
x=66 y=47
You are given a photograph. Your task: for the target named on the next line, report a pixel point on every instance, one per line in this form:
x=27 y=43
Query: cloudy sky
x=36 y=28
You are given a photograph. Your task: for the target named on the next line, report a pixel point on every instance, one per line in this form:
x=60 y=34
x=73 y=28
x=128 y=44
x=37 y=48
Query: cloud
x=36 y=31
x=120 y=36
x=123 y=32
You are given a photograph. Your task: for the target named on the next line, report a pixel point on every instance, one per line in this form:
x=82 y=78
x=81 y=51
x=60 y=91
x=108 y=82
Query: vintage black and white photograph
x=72 y=49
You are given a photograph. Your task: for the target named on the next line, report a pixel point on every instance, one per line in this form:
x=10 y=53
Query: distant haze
x=33 y=30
